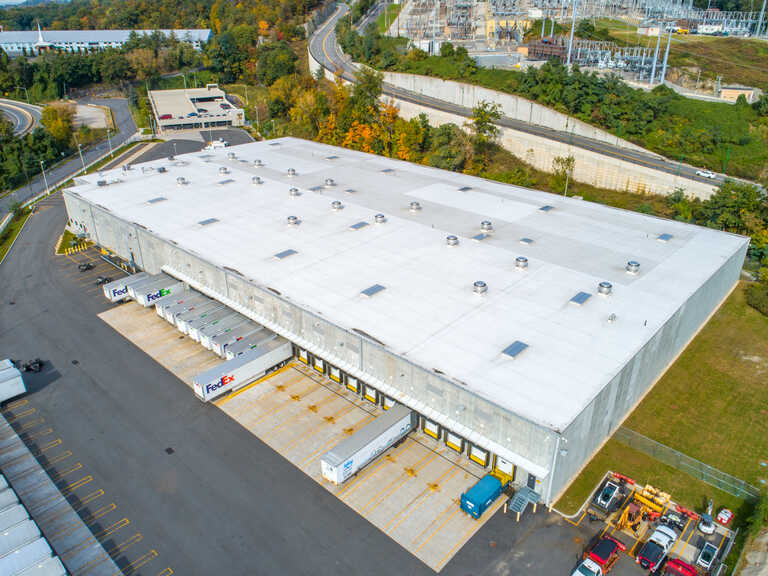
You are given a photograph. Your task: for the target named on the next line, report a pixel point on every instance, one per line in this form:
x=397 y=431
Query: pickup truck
x=656 y=548
x=599 y=560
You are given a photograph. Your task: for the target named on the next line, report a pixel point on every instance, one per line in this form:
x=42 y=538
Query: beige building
x=731 y=93
x=194 y=108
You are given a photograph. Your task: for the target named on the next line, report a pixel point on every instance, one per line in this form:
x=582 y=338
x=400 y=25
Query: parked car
x=599 y=560
x=607 y=495
x=673 y=520
x=192 y=115
x=225 y=106
x=656 y=548
x=33 y=365
x=103 y=280
x=202 y=110
x=677 y=567
x=165 y=116
x=85 y=266
x=706 y=174
x=707 y=556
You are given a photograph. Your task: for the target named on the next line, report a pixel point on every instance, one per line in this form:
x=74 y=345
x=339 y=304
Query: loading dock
x=454 y=441
x=335 y=374
x=431 y=428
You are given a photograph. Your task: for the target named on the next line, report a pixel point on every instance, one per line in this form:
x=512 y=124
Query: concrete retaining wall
x=516 y=107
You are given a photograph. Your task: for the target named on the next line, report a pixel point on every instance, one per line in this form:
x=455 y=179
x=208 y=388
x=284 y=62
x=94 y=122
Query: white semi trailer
x=11 y=382
x=117 y=290
x=353 y=453
x=220 y=343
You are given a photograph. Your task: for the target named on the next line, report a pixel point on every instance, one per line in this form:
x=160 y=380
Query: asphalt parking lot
x=203 y=494
x=189 y=141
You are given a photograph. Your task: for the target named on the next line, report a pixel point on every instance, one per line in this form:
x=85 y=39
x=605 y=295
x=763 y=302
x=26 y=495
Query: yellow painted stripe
x=397 y=481
x=138 y=563
x=355 y=483
x=456 y=511
x=264 y=378
x=444 y=477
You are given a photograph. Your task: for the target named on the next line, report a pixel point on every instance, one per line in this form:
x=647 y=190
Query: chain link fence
x=704 y=472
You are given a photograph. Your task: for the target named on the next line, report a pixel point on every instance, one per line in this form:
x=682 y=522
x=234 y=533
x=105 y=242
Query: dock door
x=371 y=394
x=479 y=455
x=302 y=355
x=353 y=384
x=335 y=374
x=503 y=469
x=454 y=441
x=431 y=428
x=318 y=364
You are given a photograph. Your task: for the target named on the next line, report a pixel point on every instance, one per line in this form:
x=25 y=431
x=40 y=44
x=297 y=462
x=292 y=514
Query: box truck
x=148 y=294
x=11 y=382
x=117 y=290
x=197 y=312
x=242 y=370
x=223 y=326
x=254 y=341
x=219 y=343
x=171 y=311
x=350 y=455
x=194 y=326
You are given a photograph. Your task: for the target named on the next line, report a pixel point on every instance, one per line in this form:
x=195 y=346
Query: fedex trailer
x=148 y=294
x=242 y=370
x=171 y=311
x=194 y=326
x=117 y=290
x=219 y=343
x=350 y=455
x=148 y=280
x=196 y=313
x=258 y=339
x=223 y=326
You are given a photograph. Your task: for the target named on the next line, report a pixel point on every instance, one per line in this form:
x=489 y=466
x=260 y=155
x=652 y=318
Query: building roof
x=562 y=347
x=61 y=36
x=181 y=102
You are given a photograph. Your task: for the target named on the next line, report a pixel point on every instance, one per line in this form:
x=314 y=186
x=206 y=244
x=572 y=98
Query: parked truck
x=117 y=290
x=11 y=381
x=599 y=559
x=253 y=341
x=146 y=281
x=656 y=548
x=148 y=294
x=479 y=498
x=219 y=343
x=224 y=325
x=195 y=326
x=170 y=311
x=242 y=370
x=350 y=455
x=197 y=312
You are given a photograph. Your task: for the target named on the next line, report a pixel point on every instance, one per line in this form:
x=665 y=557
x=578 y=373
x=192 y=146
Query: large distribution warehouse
x=521 y=326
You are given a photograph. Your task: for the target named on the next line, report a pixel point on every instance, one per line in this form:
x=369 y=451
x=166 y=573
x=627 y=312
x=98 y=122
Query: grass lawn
x=712 y=404
x=66 y=242
x=11 y=231
x=387 y=17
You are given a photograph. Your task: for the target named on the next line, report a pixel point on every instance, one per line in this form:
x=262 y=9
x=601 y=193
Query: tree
x=482 y=124
x=57 y=118
x=562 y=172
x=274 y=61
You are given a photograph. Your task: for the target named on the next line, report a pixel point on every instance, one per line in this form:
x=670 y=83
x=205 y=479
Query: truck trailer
x=11 y=381
x=242 y=370
x=148 y=294
x=220 y=343
x=117 y=290
x=253 y=341
x=197 y=312
x=222 y=326
x=146 y=281
x=170 y=311
x=195 y=326
x=350 y=455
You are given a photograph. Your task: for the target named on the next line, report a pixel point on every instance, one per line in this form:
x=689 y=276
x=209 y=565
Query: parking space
x=88 y=270
x=411 y=492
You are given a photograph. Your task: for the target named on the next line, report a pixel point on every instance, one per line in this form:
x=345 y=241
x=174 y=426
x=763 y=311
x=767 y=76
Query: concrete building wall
x=587 y=433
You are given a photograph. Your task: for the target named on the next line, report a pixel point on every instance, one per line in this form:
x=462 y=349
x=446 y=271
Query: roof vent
x=161 y=169
x=515 y=349
x=612 y=318
x=329 y=182
x=580 y=298
x=526 y=241
x=294 y=191
x=414 y=206
x=546 y=208
x=633 y=267
x=358 y=225
x=101 y=183
x=223 y=170
x=465 y=188
x=257 y=180
x=380 y=218
x=604 y=288
x=156 y=200
x=285 y=254
x=372 y=290
x=452 y=240
x=521 y=262
x=208 y=221
x=486 y=226
x=171 y=158
x=480 y=237
x=181 y=181
x=480 y=287
x=664 y=237
x=127 y=167
x=293 y=220
x=258 y=163
x=337 y=205
x=231 y=155
x=291 y=172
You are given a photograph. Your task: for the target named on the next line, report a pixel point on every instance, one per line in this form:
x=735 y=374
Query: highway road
x=24 y=117
x=325 y=50
x=65 y=170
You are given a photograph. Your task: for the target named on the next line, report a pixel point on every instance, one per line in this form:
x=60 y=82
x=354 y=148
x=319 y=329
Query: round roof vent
x=452 y=240
x=291 y=172
x=337 y=205
x=633 y=267
x=181 y=180
x=604 y=288
x=480 y=287
x=486 y=226
x=171 y=158
x=223 y=170
x=380 y=218
x=329 y=182
x=231 y=155
x=257 y=180
x=414 y=206
x=294 y=191
x=521 y=262
x=258 y=163
x=292 y=220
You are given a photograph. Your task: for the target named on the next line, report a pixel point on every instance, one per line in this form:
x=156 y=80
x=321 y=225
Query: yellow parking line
x=456 y=511
x=75 y=485
x=686 y=542
x=63 y=456
x=277 y=388
x=639 y=539
x=103 y=511
x=283 y=405
x=111 y=553
x=579 y=520
x=410 y=508
x=138 y=563
x=362 y=422
x=396 y=482
x=20 y=415
x=166 y=572
x=473 y=527
x=247 y=387
x=318 y=427
x=28 y=425
x=38 y=434
x=48 y=445
x=17 y=404
x=267 y=434
x=683 y=532
x=355 y=483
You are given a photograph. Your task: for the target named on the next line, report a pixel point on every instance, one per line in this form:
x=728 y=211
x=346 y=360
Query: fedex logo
x=223 y=381
x=119 y=292
x=159 y=294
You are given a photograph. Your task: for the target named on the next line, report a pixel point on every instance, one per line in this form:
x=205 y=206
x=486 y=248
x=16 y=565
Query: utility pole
x=79 y=151
x=666 y=56
x=45 y=179
x=758 y=30
x=25 y=91
x=111 y=155
x=573 y=29
x=655 y=59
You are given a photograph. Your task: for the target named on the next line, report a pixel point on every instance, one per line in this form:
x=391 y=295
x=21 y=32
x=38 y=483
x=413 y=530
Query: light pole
x=174 y=149
x=79 y=151
x=111 y=155
x=573 y=29
x=25 y=91
x=42 y=166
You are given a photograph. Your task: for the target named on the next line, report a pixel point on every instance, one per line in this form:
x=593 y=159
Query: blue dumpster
x=478 y=498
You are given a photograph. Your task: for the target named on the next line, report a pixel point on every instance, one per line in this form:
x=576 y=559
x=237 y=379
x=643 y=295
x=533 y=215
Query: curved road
x=23 y=116
x=326 y=51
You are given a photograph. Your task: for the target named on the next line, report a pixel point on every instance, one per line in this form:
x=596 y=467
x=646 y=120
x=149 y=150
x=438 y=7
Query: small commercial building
x=194 y=108
x=649 y=28
x=732 y=92
x=522 y=327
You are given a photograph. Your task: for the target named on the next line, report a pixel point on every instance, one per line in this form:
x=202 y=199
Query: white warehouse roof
x=425 y=307
x=97 y=36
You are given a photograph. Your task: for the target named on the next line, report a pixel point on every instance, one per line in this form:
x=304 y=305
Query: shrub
x=757 y=297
